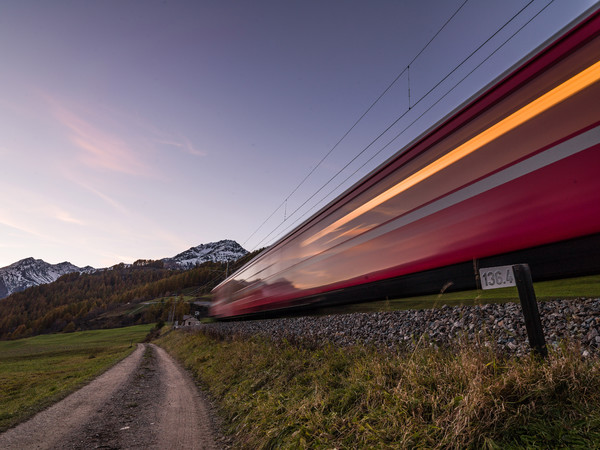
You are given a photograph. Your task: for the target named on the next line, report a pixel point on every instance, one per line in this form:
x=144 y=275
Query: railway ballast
x=499 y=325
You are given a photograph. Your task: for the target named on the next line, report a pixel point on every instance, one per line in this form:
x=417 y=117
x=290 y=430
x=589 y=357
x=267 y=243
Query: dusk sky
x=138 y=129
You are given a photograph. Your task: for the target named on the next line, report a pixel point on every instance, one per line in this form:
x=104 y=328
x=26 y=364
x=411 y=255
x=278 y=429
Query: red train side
x=516 y=168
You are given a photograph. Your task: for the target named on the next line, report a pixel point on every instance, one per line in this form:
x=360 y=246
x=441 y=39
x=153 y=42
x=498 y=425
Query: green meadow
x=38 y=371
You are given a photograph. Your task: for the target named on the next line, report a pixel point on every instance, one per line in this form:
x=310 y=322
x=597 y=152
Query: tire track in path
x=145 y=401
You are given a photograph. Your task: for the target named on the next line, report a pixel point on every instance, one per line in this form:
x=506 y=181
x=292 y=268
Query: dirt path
x=146 y=401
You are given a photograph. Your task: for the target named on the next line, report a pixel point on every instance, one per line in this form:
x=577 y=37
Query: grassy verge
x=281 y=395
x=36 y=372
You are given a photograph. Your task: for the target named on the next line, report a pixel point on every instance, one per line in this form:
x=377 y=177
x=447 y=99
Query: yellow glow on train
x=560 y=93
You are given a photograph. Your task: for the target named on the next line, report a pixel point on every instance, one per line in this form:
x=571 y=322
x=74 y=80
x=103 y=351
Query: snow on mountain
x=222 y=251
x=32 y=272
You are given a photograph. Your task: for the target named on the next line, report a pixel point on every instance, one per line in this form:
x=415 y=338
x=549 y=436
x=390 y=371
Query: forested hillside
x=83 y=301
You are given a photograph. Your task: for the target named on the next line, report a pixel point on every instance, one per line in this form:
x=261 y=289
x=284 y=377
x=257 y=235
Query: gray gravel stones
x=500 y=325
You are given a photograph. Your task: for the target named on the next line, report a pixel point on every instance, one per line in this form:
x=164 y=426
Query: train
x=510 y=176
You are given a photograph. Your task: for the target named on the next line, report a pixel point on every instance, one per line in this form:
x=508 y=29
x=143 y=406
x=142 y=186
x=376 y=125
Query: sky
x=138 y=129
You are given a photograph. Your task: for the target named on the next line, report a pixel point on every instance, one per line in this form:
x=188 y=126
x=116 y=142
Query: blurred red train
x=512 y=176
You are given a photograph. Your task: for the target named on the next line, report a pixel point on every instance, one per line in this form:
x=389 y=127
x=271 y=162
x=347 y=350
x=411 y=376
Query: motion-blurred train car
x=512 y=176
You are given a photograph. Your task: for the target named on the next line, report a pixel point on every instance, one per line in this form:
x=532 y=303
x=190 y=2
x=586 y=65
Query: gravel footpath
x=491 y=324
x=147 y=401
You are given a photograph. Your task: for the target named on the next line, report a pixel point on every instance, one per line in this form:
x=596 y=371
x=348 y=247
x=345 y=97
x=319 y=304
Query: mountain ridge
x=225 y=250
x=30 y=272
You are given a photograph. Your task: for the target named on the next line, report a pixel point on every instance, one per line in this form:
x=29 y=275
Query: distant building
x=189 y=321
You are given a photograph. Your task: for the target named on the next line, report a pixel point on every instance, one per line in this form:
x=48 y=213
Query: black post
x=529 y=305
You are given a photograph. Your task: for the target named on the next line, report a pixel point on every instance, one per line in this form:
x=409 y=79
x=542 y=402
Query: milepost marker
x=519 y=275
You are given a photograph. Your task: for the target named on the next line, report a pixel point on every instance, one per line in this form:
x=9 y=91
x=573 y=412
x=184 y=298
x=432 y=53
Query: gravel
x=500 y=325
x=147 y=401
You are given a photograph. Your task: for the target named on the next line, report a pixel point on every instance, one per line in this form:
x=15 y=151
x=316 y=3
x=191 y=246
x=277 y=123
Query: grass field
x=36 y=372
x=279 y=395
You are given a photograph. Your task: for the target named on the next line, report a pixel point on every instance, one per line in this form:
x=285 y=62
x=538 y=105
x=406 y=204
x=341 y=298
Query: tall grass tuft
x=278 y=394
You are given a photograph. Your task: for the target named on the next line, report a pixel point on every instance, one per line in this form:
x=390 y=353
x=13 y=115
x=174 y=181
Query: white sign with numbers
x=497 y=277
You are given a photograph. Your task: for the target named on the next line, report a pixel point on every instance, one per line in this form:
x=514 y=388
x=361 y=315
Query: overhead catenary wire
x=408 y=83
x=322 y=199
x=385 y=91
x=402 y=116
x=412 y=123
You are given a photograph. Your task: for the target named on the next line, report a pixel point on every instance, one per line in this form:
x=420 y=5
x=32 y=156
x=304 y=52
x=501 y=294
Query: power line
x=355 y=124
x=414 y=121
x=405 y=113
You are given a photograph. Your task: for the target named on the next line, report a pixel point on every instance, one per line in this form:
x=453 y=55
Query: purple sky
x=137 y=129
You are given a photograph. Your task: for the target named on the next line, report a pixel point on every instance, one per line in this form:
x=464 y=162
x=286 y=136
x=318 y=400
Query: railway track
x=501 y=325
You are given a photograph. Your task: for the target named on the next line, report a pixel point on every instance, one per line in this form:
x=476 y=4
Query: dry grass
x=284 y=395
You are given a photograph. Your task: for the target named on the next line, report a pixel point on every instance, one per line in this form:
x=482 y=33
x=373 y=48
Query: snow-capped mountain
x=32 y=272
x=222 y=251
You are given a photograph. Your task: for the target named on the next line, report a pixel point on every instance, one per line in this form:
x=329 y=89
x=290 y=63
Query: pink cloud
x=65 y=216
x=183 y=144
x=100 y=149
x=116 y=150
